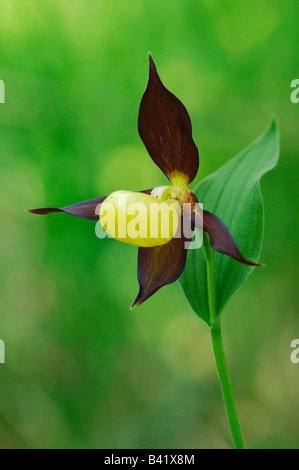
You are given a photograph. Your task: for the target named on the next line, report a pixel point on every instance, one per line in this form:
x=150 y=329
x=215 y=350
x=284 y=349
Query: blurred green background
x=82 y=370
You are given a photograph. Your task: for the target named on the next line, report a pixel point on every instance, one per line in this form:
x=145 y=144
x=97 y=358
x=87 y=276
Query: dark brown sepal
x=165 y=128
x=159 y=266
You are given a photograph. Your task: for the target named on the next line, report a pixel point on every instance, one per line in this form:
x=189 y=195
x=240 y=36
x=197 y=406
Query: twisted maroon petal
x=221 y=239
x=86 y=209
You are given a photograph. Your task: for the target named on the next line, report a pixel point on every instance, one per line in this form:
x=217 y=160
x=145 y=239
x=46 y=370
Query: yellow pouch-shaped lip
x=140 y=219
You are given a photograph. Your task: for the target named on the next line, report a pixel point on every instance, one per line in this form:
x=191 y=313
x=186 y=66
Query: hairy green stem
x=216 y=336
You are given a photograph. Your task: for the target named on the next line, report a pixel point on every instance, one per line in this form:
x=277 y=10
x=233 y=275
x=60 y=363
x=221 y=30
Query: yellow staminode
x=179 y=179
x=140 y=219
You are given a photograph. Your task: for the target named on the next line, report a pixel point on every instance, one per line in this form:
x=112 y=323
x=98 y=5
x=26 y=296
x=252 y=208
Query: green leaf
x=233 y=194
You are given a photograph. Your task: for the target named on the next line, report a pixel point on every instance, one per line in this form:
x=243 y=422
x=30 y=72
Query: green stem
x=219 y=355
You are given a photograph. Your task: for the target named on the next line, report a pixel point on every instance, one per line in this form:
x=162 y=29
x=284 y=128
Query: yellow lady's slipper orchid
x=165 y=129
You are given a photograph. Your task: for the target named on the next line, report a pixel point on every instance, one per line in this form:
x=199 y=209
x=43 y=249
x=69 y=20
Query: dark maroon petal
x=159 y=266
x=221 y=239
x=86 y=209
x=165 y=129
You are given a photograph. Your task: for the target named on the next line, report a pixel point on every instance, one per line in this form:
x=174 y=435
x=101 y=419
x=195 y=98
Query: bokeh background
x=82 y=370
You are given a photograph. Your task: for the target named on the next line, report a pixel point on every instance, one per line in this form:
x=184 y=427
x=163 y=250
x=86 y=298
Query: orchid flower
x=165 y=129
